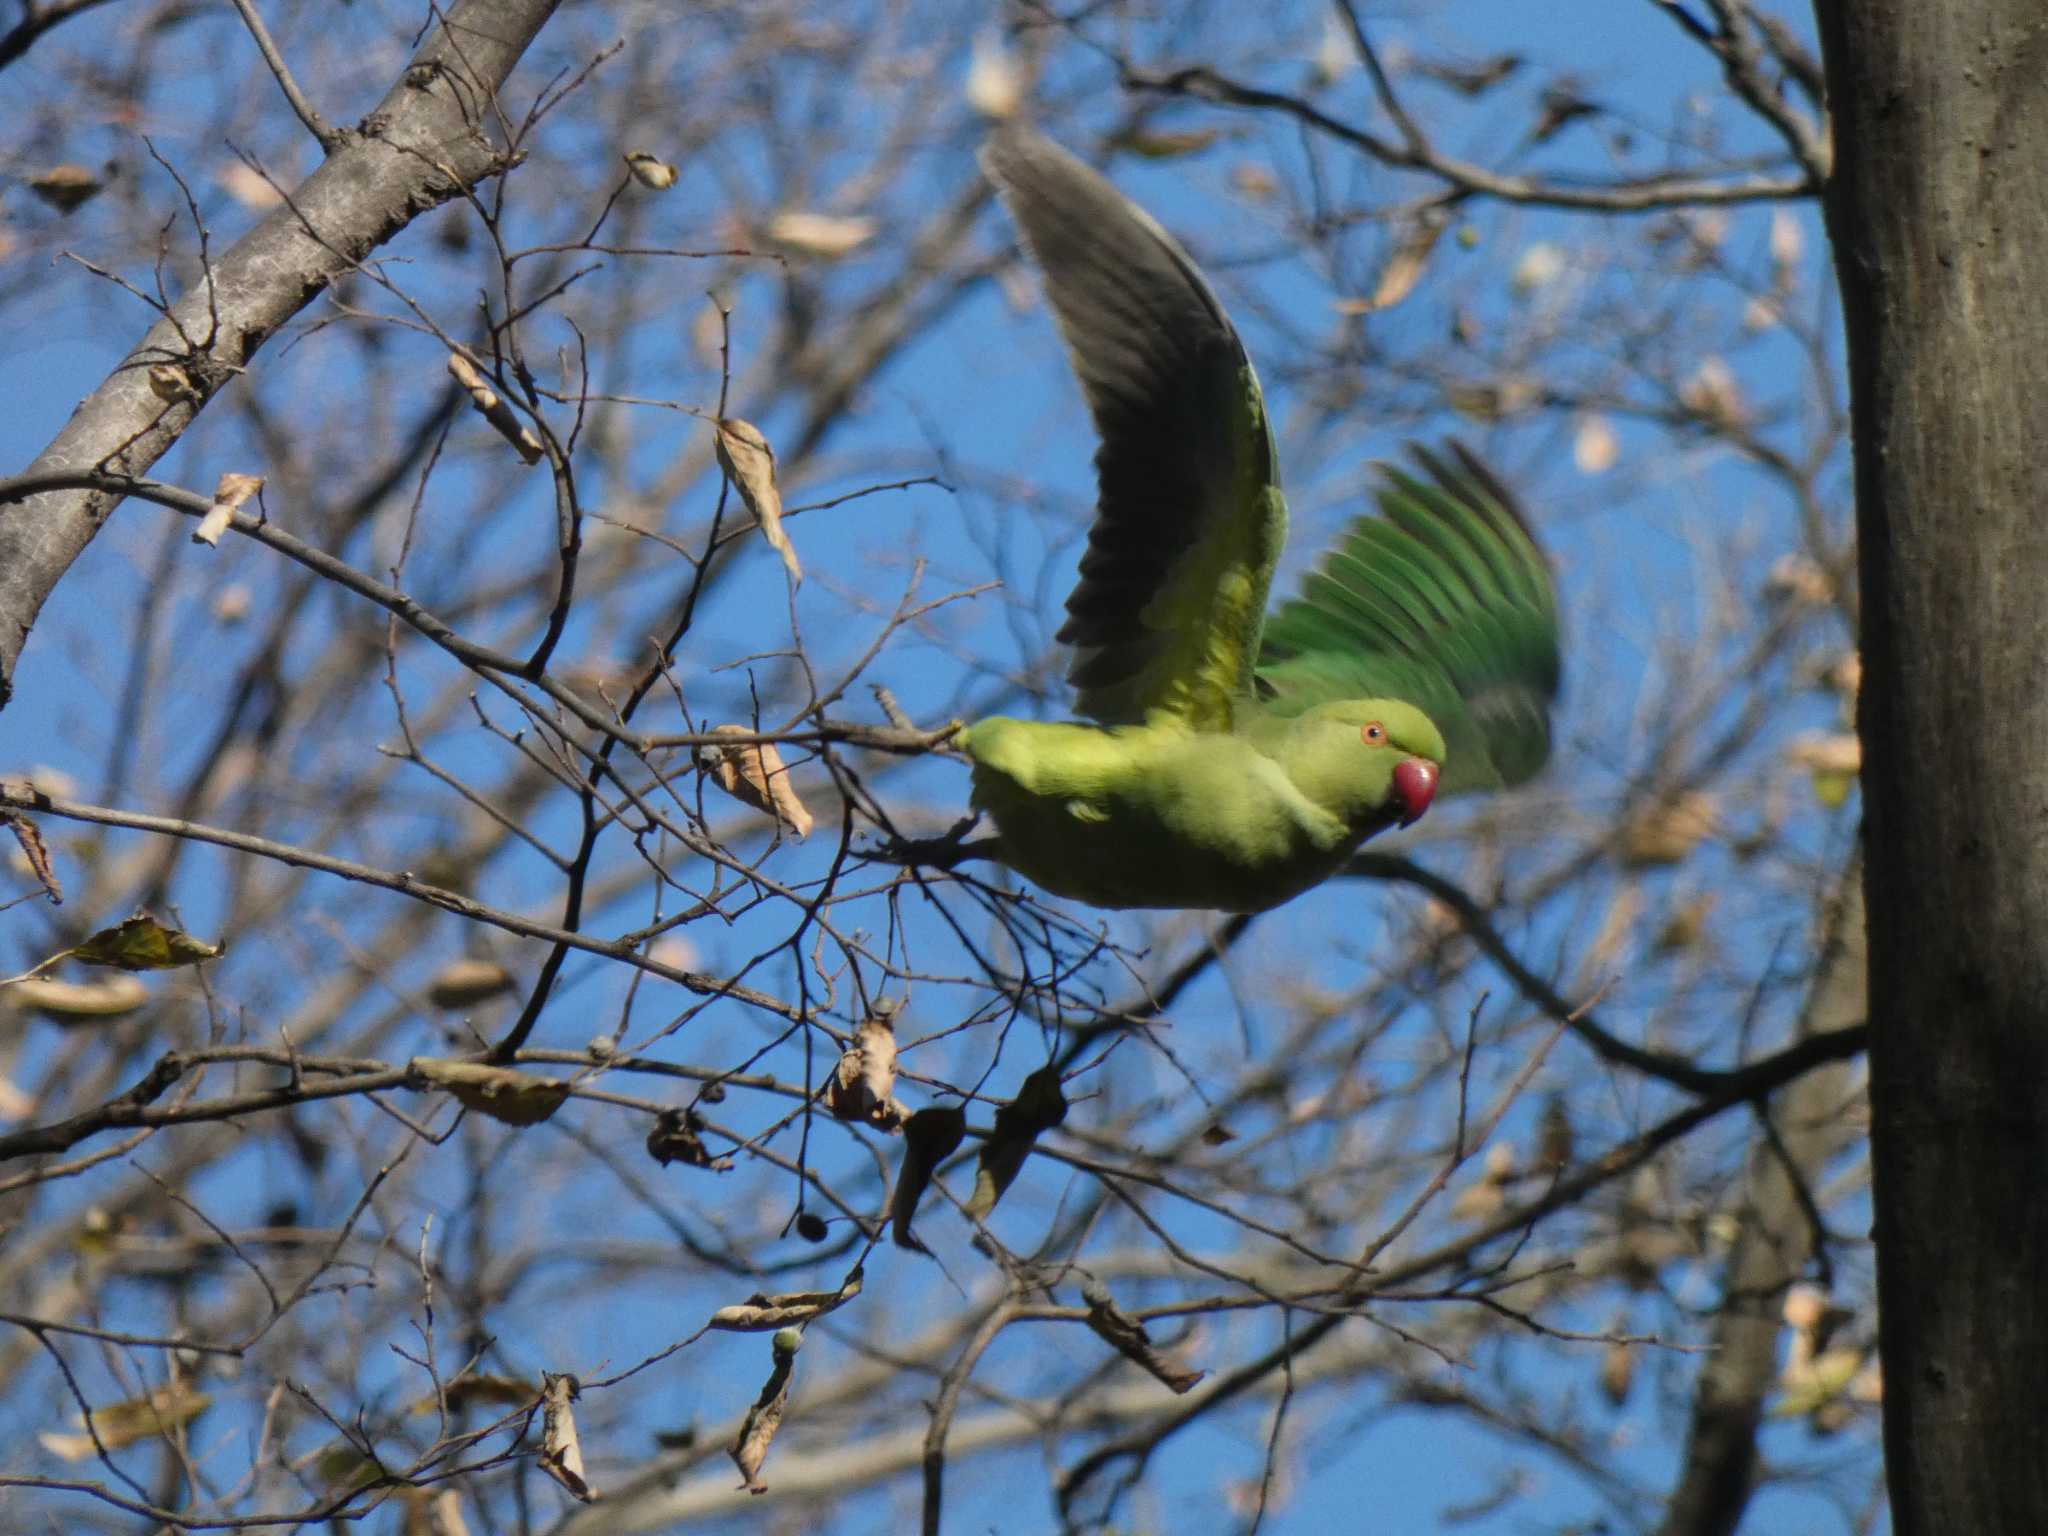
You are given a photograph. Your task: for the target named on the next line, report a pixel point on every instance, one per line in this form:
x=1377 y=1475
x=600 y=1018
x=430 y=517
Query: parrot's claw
x=943 y=852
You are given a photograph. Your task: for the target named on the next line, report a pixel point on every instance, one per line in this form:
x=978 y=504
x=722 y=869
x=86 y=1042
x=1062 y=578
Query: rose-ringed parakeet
x=1236 y=759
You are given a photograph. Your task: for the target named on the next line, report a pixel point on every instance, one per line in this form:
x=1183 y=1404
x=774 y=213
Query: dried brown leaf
x=229 y=495
x=72 y=1002
x=503 y=419
x=749 y=463
x=172 y=384
x=248 y=186
x=139 y=1418
x=825 y=235
x=753 y=773
x=1667 y=830
x=650 y=171
x=1617 y=1371
x=1162 y=144
x=995 y=85
x=465 y=982
x=1406 y=261
x=1594 y=445
x=750 y=1448
x=1039 y=1106
x=66 y=188
x=514 y=1097
x=929 y=1138
x=764 y=1313
x=677 y=1137
x=862 y=1085
x=432 y=1512
x=479 y=1389
x=561 y=1454
x=1712 y=394
x=37 y=854
x=1126 y=1335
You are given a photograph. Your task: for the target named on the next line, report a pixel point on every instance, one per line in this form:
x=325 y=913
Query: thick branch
x=423 y=145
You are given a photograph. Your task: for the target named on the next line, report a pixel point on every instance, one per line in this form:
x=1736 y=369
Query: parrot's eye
x=1373 y=734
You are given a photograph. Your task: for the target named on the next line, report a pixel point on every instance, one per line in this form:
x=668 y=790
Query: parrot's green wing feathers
x=1165 y=618
x=1444 y=601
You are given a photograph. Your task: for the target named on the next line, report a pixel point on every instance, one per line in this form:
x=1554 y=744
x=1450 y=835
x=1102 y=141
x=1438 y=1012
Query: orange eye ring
x=1373 y=734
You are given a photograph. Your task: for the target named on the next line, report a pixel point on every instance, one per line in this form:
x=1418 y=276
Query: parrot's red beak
x=1415 y=782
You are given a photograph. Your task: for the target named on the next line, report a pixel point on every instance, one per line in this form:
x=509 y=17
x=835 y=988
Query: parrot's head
x=1372 y=762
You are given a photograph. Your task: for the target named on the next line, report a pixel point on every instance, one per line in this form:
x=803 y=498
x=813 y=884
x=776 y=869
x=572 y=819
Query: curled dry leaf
x=466 y=982
x=1039 y=1106
x=66 y=188
x=929 y=1137
x=1686 y=926
x=1788 y=244
x=820 y=234
x=1157 y=144
x=478 y=1389
x=862 y=1084
x=1665 y=831
x=37 y=855
x=1404 y=264
x=172 y=384
x=139 y=1418
x=678 y=1137
x=1617 y=1371
x=231 y=604
x=1480 y=1202
x=516 y=1098
x=1126 y=1335
x=650 y=170
x=494 y=410
x=753 y=773
x=1536 y=269
x=1474 y=79
x=1799 y=578
x=1554 y=1136
x=561 y=1455
x=1594 y=445
x=228 y=497
x=248 y=186
x=432 y=1512
x=144 y=944
x=995 y=86
x=749 y=463
x=1713 y=395
x=762 y=1313
x=1253 y=182
x=750 y=1448
x=75 y=1002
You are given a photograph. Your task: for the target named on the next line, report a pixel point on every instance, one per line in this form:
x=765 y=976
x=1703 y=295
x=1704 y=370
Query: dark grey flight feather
x=1162 y=370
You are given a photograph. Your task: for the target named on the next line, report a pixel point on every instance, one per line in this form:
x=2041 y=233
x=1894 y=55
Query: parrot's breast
x=1150 y=817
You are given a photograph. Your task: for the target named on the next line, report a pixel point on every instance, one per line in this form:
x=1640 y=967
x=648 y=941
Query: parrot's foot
x=943 y=852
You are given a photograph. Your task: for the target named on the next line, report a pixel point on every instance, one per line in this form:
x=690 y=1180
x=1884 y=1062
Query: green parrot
x=1236 y=759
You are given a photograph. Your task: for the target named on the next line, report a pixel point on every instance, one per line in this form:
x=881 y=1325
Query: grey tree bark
x=1939 y=214
x=436 y=133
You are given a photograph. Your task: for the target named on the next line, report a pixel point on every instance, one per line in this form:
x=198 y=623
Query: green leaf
x=144 y=944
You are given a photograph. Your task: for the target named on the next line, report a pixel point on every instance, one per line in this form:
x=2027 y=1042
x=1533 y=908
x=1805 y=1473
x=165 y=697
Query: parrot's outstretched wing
x=1165 y=618
x=1444 y=600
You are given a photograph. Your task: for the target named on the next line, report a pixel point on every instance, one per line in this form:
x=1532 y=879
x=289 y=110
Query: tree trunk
x=1938 y=208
